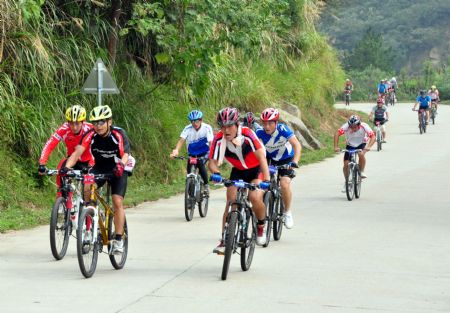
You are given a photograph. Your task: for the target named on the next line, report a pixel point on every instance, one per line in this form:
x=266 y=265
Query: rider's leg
x=383 y=132
x=256 y=198
x=231 y=197
x=345 y=169
x=362 y=161
x=203 y=173
x=119 y=214
x=286 y=192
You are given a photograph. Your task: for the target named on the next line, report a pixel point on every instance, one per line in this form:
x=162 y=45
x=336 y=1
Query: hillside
x=416 y=31
x=167 y=57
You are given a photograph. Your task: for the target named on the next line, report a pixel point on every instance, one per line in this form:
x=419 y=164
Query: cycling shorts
x=246 y=175
x=284 y=171
x=118 y=184
x=347 y=155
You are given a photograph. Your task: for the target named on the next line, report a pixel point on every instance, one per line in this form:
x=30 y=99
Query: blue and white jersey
x=197 y=140
x=423 y=101
x=277 y=145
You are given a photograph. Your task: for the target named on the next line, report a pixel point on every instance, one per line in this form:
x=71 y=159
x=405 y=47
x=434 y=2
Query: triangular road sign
x=99 y=81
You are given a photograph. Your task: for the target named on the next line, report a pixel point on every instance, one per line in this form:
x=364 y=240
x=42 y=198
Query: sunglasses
x=99 y=123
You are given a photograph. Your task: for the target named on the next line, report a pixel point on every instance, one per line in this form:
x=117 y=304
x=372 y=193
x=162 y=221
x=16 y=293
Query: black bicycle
x=422 y=120
x=240 y=227
x=347 y=97
x=64 y=220
x=353 y=180
x=195 y=191
x=274 y=204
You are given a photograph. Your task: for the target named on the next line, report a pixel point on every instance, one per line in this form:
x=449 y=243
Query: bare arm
x=336 y=141
x=261 y=156
x=213 y=167
x=72 y=160
x=297 y=148
x=177 y=148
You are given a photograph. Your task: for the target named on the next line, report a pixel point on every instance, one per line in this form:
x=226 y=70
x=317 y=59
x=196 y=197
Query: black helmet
x=423 y=92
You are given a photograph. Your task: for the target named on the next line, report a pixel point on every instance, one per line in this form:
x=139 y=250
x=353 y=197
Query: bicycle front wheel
x=268 y=203
x=87 y=245
x=189 y=199
x=230 y=238
x=203 y=204
x=60 y=228
x=357 y=179
x=278 y=217
x=248 y=237
x=118 y=261
x=350 y=184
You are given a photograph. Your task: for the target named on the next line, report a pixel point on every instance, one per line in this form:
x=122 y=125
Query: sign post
x=100 y=82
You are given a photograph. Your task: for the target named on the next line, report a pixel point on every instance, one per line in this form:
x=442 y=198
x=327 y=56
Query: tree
x=370 y=51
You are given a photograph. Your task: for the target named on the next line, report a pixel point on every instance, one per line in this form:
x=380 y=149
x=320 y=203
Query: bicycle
x=379 y=134
x=422 y=120
x=274 y=204
x=433 y=111
x=240 y=227
x=63 y=220
x=195 y=191
x=391 y=97
x=353 y=180
x=347 y=97
x=96 y=229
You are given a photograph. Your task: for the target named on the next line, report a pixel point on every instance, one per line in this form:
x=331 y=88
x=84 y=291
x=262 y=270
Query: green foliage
x=412 y=28
x=31 y=9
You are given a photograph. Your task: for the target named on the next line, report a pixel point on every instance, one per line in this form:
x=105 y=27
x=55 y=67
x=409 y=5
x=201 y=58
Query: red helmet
x=380 y=100
x=227 y=116
x=270 y=114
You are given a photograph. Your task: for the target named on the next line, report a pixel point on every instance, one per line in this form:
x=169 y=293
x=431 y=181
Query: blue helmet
x=195 y=115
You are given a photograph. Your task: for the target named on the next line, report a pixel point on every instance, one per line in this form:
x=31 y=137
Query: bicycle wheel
x=118 y=261
x=203 y=204
x=60 y=228
x=230 y=237
x=268 y=203
x=357 y=179
x=248 y=237
x=189 y=199
x=349 y=184
x=87 y=245
x=278 y=217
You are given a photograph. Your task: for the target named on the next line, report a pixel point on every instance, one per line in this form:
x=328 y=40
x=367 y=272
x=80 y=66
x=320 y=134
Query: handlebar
x=189 y=157
x=239 y=184
x=351 y=151
x=71 y=173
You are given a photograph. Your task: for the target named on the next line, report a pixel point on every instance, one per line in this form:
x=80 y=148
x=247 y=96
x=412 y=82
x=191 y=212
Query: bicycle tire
x=248 y=237
x=278 y=220
x=189 y=199
x=63 y=229
x=203 y=204
x=268 y=203
x=118 y=261
x=357 y=179
x=230 y=237
x=349 y=184
x=87 y=248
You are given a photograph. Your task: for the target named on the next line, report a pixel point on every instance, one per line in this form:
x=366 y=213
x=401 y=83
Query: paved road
x=386 y=252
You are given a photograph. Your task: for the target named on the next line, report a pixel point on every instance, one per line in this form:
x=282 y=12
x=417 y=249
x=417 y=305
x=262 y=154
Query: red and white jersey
x=240 y=156
x=354 y=138
x=63 y=133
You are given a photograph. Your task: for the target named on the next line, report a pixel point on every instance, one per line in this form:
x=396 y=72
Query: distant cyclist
x=424 y=103
x=70 y=133
x=380 y=114
x=249 y=121
x=382 y=88
x=282 y=147
x=240 y=147
x=198 y=137
x=348 y=89
x=358 y=135
x=434 y=95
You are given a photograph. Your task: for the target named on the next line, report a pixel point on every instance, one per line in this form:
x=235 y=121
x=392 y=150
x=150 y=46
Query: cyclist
x=111 y=149
x=249 y=121
x=358 y=136
x=382 y=88
x=70 y=133
x=348 y=88
x=198 y=137
x=434 y=95
x=424 y=102
x=240 y=147
x=380 y=114
x=394 y=86
x=282 y=147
